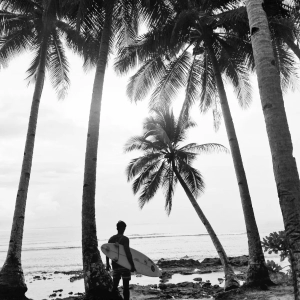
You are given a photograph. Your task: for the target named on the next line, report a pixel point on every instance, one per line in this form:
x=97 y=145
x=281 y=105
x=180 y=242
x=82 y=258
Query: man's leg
x=116 y=280
x=126 y=293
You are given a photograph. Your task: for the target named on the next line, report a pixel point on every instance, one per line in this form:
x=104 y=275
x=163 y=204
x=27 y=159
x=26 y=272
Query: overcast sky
x=55 y=189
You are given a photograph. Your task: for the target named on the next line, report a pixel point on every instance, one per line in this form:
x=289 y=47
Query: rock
x=37 y=277
x=204 y=271
x=153 y=292
x=162 y=286
x=186 y=272
x=185 y=284
x=239 y=261
x=206 y=284
x=170 y=285
x=58 y=291
x=165 y=277
x=52 y=295
x=178 y=263
x=76 y=277
x=221 y=280
x=211 y=262
x=198 y=279
x=71 y=293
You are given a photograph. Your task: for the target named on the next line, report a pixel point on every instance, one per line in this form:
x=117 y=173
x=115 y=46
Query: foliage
x=273 y=267
x=276 y=242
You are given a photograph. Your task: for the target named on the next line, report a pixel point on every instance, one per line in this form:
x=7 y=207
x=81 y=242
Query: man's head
x=121 y=226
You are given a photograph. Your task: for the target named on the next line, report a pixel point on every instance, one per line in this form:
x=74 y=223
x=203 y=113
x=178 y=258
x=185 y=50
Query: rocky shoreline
x=195 y=288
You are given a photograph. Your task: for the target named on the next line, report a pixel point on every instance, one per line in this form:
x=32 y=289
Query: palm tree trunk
x=257 y=273
x=97 y=281
x=11 y=275
x=284 y=164
x=230 y=278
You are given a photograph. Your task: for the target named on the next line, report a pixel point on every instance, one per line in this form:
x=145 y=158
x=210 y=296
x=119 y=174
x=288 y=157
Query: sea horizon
x=59 y=248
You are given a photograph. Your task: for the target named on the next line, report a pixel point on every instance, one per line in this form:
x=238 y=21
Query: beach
x=51 y=257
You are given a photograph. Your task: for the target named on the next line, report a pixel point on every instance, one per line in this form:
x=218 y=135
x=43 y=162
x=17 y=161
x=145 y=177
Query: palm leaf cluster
x=169 y=65
x=162 y=152
x=34 y=26
x=176 y=55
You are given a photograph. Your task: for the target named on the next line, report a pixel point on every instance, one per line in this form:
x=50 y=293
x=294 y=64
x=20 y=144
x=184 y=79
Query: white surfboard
x=143 y=264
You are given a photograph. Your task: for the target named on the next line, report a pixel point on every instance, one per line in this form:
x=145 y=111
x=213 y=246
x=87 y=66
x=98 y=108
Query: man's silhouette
x=119 y=271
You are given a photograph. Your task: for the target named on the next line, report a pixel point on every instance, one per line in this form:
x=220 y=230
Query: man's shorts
x=121 y=272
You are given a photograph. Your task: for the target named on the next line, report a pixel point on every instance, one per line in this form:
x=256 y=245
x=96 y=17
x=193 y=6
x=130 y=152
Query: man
x=119 y=271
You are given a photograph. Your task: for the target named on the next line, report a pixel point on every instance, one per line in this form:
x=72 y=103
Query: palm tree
x=284 y=164
x=217 y=50
x=116 y=24
x=37 y=26
x=165 y=162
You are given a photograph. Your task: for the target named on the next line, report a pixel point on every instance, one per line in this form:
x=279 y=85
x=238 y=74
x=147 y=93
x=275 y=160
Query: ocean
x=46 y=250
x=59 y=249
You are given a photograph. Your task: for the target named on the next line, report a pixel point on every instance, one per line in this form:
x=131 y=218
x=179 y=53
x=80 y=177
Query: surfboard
x=143 y=264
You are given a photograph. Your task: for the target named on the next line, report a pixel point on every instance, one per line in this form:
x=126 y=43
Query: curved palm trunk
x=97 y=281
x=12 y=280
x=230 y=278
x=257 y=273
x=284 y=164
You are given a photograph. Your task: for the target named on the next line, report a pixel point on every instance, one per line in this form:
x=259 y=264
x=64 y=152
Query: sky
x=55 y=190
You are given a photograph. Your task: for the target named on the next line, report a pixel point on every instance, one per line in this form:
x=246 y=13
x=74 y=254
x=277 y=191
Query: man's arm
x=128 y=254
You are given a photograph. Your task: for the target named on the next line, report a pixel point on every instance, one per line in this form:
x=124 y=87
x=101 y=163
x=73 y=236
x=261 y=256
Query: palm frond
x=151 y=186
x=232 y=65
x=208 y=84
x=15 y=42
x=74 y=39
x=141 y=143
x=40 y=44
x=22 y=6
x=90 y=50
x=168 y=183
x=145 y=78
x=186 y=156
x=144 y=175
x=125 y=24
x=14 y=21
x=217 y=115
x=175 y=78
x=193 y=86
x=154 y=13
x=182 y=129
x=285 y=62
x=58 y=66
x=204 y=148
x=191 y=177
x=138 y=164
